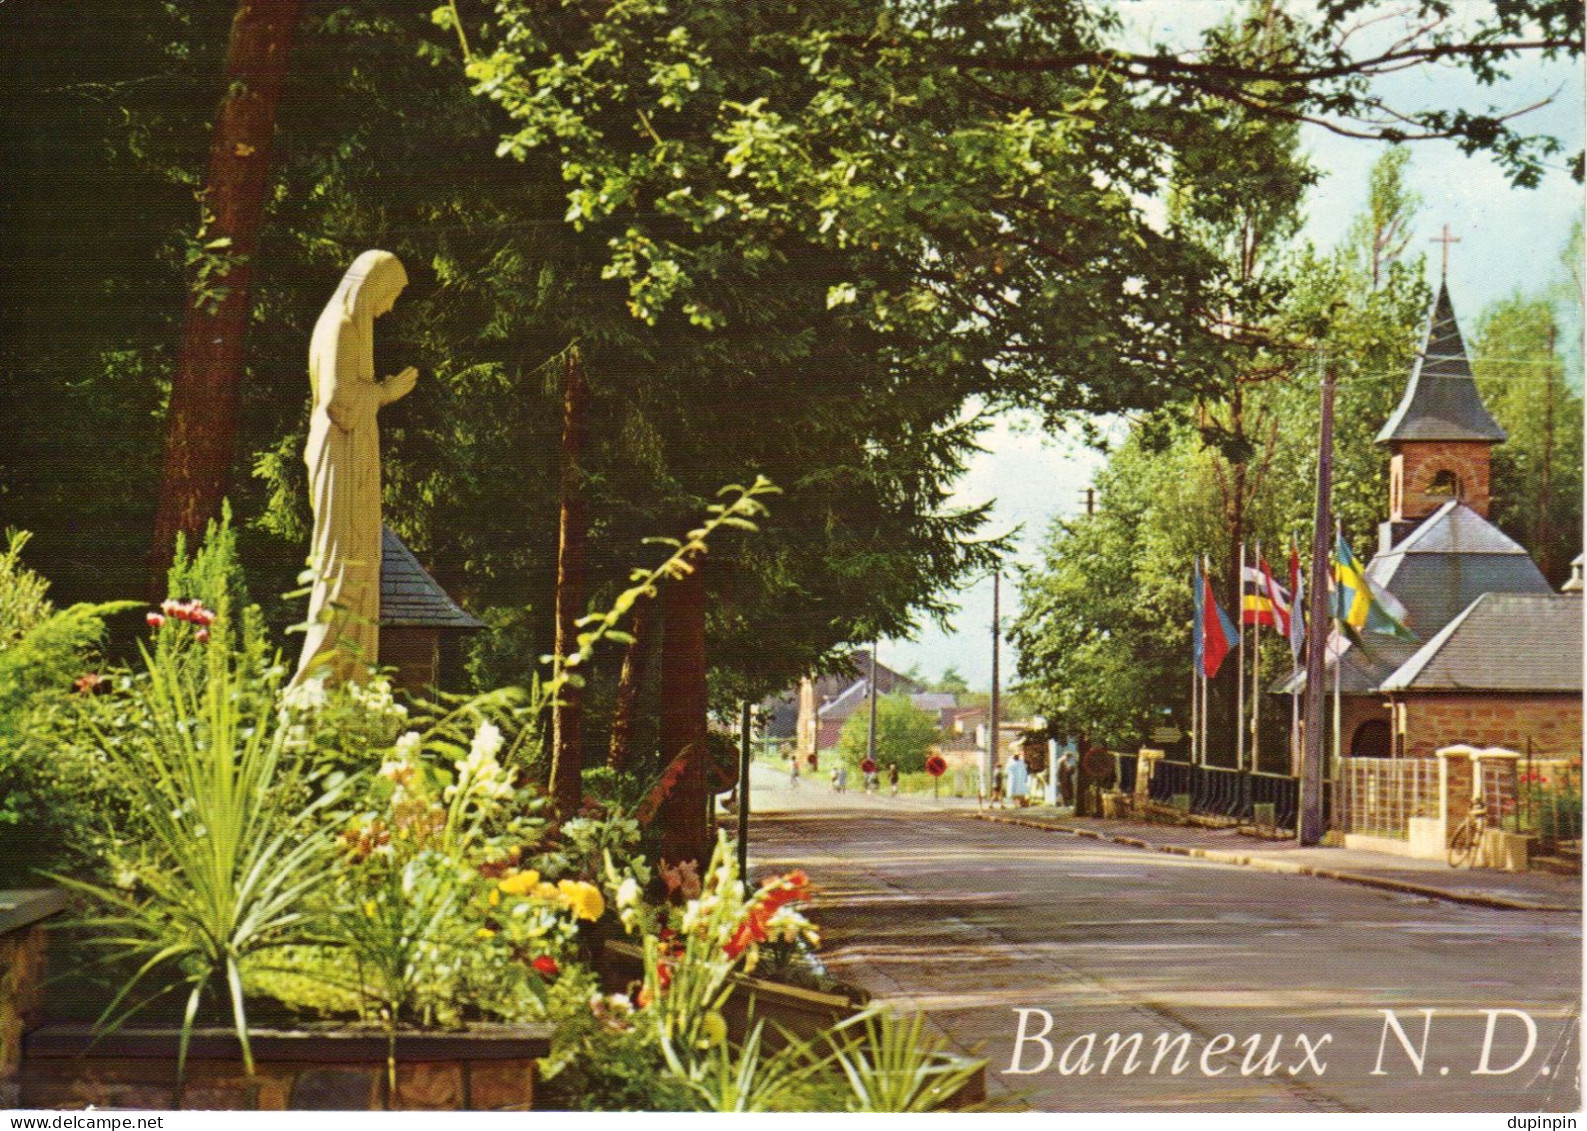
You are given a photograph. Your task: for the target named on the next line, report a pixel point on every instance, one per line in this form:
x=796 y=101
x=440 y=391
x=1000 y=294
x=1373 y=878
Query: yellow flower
x=519 y=883
x=549 y=894
x=369 y=909
x=495 y=898
x=486 y=933
x=715 y=1028
x=584 y=899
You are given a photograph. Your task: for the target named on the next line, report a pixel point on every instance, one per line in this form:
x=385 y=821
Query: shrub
x=904 y=734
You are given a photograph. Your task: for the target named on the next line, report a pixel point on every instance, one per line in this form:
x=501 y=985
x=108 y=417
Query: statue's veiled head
x=372 y=284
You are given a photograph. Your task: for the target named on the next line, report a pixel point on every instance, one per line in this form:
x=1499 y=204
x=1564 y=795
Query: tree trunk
x=201 y=423
x=633 y=674
x=567 y=720
x=686 y=825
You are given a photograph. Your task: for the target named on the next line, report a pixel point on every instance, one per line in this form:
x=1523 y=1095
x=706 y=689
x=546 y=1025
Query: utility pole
x=991 y=730
x=1546 y=471
x=743 y=795
x=870 y=737
x=1310 y=822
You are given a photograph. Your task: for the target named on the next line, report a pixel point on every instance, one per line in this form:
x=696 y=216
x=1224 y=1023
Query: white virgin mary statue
x=343 y=456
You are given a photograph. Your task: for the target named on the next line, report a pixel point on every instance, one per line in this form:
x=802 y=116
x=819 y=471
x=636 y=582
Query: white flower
x=408 y=745
x=628 y=892
x=487 y=742
x=306 y=696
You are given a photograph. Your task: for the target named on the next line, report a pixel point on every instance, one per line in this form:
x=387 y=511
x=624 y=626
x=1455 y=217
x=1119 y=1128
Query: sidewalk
x=1520 y=891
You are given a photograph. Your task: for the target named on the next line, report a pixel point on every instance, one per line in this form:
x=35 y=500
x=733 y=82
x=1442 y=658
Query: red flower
x=202 y=636
x=773 y=895
x=91 y=684
x=155 y=619
x=546 y=966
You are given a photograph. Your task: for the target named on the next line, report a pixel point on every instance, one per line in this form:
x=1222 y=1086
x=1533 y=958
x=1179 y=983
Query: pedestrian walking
x=793 y=771
x=1018 y=780
x=843 y=777
x=892 y=777
x=1066 y=776
x=997 y=787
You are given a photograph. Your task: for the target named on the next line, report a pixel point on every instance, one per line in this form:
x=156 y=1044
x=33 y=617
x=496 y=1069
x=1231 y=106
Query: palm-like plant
x=229 y=847
x=893 y=1064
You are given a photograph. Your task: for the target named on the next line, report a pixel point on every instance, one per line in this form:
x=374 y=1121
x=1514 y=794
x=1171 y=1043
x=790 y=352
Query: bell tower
x=1441 y=437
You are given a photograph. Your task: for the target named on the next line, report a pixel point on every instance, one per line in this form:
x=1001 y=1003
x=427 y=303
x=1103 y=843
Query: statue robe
x=343 y=458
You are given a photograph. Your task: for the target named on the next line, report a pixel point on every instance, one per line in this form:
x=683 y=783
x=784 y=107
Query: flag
x=1218 y=635
x=1278 y=598
x=1256 y=607
x=1358 y=604
x=1297 y=618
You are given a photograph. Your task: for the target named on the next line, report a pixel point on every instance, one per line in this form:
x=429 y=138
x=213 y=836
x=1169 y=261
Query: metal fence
x=1216 y=791
x=1548 y=798
x=1379 y=796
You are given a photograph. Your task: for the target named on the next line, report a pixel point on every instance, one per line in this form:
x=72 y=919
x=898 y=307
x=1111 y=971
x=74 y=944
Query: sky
x=1510 y=241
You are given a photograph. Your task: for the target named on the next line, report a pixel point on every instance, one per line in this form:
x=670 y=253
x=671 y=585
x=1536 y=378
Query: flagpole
x=1309 y=821
x=1206 y=564
x=1195 y=680
x=1339 y=662
x=1297 y=617
x=1256 y=676
x=1239 y=684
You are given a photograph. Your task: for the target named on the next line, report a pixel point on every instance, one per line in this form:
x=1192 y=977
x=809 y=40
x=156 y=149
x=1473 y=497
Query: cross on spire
x=1446 y=239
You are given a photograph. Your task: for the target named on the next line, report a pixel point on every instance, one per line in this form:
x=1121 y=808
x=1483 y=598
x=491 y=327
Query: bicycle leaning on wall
x=1465 y=845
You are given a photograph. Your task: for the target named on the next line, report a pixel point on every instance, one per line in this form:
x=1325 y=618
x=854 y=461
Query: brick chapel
x=1498 y=659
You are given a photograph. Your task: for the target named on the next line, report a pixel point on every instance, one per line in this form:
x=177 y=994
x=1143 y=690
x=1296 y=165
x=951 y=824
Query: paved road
x=974 y=922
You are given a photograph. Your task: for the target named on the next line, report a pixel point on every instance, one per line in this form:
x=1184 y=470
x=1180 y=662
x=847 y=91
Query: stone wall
x=24 y=947
x=483 y=1069
x=1552 y=723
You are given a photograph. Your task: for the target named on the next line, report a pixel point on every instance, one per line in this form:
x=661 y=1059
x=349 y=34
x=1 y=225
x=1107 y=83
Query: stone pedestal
x=23 y=960
x=484 y=1068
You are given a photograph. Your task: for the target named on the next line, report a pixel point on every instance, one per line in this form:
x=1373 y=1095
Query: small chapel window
x=1446 y=483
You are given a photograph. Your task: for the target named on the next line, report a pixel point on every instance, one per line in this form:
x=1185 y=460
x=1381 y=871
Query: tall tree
x=1537 y=472
x=201 y=420
x=567 y=730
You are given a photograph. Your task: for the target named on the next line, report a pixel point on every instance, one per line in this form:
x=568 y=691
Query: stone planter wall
x=23 y=955
x=486 y=1068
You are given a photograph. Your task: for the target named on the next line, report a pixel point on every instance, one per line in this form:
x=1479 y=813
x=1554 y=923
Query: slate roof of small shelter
x=410 y=597
x=1502 y=642
x=1441 y=402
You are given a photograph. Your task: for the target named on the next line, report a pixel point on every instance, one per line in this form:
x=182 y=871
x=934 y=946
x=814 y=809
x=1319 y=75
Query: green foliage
x=1104 y=628
x=1537 y=472
x=224 y=856
x=894 y=1065
x=49 y=781
x=904 y=734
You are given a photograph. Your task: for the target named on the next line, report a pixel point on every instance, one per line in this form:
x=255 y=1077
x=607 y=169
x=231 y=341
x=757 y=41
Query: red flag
x=1218 y=634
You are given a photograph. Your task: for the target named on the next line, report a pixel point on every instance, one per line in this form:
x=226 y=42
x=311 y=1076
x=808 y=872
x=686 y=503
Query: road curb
x=1284 y=867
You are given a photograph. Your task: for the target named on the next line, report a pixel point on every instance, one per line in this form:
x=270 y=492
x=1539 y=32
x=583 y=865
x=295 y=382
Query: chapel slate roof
x=410 y=597
x=1536 y=636
x=1437 y=570
x=1450 y=560
x=1441 y=402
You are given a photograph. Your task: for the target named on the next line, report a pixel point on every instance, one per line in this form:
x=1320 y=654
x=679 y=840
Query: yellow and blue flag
x=1358 y=604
